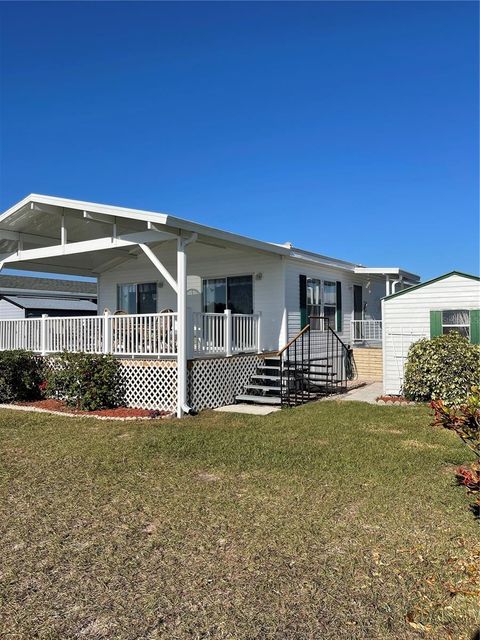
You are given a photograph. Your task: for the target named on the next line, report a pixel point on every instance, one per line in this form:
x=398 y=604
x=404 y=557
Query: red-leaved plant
x=463 y=419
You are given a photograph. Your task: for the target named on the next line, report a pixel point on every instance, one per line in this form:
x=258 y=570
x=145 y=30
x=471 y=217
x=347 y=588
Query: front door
x=357 y=302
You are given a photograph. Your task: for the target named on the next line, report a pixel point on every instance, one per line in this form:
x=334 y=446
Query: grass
x=331 y=521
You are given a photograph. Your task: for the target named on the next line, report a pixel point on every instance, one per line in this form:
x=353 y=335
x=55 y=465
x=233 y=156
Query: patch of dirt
x=119 y=412
x=384 y=430
x=208 y=477
x=414 y=444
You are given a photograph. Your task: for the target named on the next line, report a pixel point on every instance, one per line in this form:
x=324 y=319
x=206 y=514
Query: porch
x=153 y=335
x=367 y=332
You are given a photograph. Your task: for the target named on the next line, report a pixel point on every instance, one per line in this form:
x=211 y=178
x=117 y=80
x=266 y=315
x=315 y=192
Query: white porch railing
x=366 y=330
x=133 y=335
x=225 y=333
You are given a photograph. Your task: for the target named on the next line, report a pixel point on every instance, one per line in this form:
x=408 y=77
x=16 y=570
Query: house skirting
x=212 y=382
x=369 y=361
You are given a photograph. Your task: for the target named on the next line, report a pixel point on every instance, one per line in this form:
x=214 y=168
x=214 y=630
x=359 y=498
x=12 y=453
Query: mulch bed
x=58 y=406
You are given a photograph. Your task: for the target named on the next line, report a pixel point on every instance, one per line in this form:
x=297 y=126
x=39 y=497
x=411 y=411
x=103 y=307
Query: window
x=314 y=300
x=330 y=302
x=234 y=293
x=137 y=298
x=456 y=320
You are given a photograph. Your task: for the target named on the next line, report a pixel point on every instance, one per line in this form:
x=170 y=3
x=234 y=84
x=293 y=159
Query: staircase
x=266 y=384
x=314 y=363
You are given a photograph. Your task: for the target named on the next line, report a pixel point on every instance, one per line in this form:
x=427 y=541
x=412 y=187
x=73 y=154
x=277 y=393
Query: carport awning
x=44 y=233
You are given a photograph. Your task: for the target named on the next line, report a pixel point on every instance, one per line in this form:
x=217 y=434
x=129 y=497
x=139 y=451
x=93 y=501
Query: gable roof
x=428 y=282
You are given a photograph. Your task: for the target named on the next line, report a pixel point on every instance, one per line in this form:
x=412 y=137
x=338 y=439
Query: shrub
x=464 y=420
x=87 y=381
x=21 y=376
x=444 y=367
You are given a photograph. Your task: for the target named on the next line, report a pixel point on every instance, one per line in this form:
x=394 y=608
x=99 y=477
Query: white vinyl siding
x=406 y=319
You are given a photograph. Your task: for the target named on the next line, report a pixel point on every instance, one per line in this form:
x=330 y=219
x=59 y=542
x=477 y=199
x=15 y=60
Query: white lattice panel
x=150 y=384
x=214 y=382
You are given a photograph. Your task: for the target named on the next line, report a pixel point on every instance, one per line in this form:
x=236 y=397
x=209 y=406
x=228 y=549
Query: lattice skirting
x=212 y=382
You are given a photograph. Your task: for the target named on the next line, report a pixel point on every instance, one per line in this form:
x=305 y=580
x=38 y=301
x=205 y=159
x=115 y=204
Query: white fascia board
x=388 y=271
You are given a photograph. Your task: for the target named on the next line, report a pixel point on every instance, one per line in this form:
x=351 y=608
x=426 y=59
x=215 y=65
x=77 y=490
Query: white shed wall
x=9 y=311
x=205 y=261
x=406 y=319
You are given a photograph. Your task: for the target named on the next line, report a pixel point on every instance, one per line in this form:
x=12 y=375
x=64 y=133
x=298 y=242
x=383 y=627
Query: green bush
x=21 y=376
x=86 y=381
x=445 y=367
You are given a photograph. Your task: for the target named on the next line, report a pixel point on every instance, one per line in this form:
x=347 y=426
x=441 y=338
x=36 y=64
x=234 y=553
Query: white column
x=181 y=326
x=182 y=335
x=387 y=286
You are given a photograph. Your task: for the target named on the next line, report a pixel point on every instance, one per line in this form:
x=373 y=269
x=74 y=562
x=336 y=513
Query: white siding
x=373 y=290
x=205 y=261
x=10 y=311
x=406 y=319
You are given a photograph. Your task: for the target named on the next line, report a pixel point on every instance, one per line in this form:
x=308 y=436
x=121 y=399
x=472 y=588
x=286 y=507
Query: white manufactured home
x=448 y=303
x=190 y=310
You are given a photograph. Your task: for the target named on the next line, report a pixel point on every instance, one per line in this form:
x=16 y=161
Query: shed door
x=357 y=302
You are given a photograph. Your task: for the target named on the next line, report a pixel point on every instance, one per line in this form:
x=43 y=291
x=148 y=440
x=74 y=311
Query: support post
x=228 y=332
x=43 y=334
x=106 y=332
x=182 y=351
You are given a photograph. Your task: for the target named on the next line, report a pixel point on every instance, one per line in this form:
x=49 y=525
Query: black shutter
x=302 y=283
x=339 y=317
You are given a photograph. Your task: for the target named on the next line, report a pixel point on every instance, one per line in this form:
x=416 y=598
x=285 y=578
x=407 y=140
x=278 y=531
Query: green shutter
x=302 y=283
x=339 y=316
x=435 y=323
x=475 y=326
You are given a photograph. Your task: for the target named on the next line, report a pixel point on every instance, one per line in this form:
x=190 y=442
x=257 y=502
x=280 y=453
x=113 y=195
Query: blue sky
x=346 y=128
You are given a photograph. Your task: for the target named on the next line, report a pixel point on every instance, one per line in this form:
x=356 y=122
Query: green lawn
x=331 y=521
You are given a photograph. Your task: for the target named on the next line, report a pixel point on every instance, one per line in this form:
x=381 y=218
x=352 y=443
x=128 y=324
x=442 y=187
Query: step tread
x=262 y=387
x=258 y=399
x=261 y=376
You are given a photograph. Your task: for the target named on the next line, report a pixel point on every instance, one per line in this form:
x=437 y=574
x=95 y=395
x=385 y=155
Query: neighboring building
x=233 y=295
x=31 y=297
x=448 y=303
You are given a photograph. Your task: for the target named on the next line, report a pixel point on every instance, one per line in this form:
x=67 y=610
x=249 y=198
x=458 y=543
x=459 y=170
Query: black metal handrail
x=315 y=362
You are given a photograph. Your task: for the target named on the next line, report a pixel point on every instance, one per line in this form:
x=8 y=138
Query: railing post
x=259 y=332
x=106 y=332
x=43 y=334
x=228 y=332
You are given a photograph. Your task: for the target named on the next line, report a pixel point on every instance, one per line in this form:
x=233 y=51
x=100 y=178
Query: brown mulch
x=119 y=412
